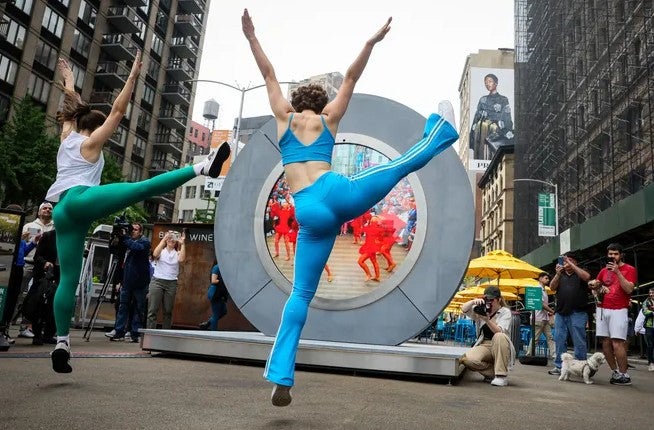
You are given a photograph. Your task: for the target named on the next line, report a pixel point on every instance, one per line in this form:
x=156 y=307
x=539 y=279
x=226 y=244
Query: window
x=24 y=5
x=38 y=88
x=8 y=70
x=190 y=192
x=87 y=14
x=81 y=43
x=144 y=120
x=148 y=94
x=153 y=68
x=135 y=173
x=203 y=137
x=190 y=131
x=120 y=136
x=78 y=74
x=45 y=55
x=15 y=33
x=53 y=22
x=196 y=133
x=139 y=147
x=187 y=215
x=4 y=108
x=157 y=45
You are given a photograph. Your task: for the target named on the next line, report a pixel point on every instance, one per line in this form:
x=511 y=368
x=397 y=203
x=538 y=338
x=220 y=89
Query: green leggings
x=77 y=209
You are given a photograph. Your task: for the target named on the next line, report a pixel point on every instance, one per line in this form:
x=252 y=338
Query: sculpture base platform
x=407 y=359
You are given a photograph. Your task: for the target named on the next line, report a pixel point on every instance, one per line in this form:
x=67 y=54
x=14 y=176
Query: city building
x=480 y=134
x=584 y=95
x=199 y=141
x=100 y=40
x=496 y=184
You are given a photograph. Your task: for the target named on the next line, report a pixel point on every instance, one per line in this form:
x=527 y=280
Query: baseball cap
x=492 y=292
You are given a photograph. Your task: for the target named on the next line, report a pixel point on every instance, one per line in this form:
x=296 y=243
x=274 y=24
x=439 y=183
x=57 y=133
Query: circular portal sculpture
x=404 y=303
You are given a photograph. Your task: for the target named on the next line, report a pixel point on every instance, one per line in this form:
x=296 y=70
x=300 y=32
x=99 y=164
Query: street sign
x=533 y=298
x=546 y=214
x=213 y=184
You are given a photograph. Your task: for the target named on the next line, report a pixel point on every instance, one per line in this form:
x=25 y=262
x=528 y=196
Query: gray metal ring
x=402 y=305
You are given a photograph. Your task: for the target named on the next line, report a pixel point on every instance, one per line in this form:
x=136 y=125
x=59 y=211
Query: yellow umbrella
x=515 y=285
x=500 y=265
x=478 y=291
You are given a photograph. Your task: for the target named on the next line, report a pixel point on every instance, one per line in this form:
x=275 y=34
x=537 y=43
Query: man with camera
x=493 y=351
x=136 y=277
x=613 y=288
x=569 y=284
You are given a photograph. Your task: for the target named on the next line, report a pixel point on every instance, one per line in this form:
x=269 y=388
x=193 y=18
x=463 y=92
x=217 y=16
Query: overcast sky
x=418 y=63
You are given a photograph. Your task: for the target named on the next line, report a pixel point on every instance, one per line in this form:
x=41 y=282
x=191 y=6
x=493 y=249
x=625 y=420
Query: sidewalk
x=115 y=385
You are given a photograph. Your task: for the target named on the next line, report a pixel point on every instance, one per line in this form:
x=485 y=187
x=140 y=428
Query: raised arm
x=71 y=99
x=92 y=147
x=279 y=105
x=337 y=107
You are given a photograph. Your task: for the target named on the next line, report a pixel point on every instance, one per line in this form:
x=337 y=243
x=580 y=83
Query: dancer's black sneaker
x=61 y=358
x=215 y=160
x=281 y=395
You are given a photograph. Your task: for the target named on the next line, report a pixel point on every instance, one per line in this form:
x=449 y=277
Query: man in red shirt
x=613 y=288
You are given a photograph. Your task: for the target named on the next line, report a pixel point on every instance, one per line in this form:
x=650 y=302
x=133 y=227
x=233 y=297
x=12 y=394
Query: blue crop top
x=294 y=151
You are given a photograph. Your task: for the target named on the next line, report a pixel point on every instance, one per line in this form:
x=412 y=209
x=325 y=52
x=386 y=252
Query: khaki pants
x=544 y=327
x=161 y=291
x=491 y=357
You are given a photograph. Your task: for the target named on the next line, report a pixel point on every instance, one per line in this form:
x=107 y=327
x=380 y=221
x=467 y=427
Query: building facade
x=476 y=157
x=331 y=82
x=496 y=185
x=584 y=96
x=100 y=39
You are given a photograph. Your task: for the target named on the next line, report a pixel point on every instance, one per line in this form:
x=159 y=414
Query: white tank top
x=73 y=169
x=167 y=267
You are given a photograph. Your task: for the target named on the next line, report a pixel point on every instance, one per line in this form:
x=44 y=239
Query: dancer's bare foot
x=330 y=278
x=276 y=255
x=368 y=278
x=376 y=279
x=287 y=258
x=391 y=267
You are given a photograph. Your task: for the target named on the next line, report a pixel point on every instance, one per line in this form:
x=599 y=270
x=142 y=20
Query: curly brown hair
x=74 y=109
x=311 y=96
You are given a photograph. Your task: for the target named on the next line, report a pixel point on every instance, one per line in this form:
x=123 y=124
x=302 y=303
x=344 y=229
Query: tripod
x=113 y=263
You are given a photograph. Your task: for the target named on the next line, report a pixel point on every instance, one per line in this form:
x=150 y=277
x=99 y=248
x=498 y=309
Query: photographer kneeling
x=493 y=351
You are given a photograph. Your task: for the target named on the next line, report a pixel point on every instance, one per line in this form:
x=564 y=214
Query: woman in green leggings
x=80 y=197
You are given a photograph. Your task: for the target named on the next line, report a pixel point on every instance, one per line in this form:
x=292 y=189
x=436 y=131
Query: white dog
x=580 y=368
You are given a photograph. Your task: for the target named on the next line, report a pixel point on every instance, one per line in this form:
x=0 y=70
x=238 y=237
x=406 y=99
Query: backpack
x=37 y=302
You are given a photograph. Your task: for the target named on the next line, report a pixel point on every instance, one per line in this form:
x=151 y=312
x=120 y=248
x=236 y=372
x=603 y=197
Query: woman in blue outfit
x=324 y=199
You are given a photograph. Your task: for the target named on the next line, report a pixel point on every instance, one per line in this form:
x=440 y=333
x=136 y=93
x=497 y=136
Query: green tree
x=28 y=156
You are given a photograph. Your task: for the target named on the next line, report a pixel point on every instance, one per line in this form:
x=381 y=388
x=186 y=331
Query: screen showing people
x=9 y=232
x=369 y=247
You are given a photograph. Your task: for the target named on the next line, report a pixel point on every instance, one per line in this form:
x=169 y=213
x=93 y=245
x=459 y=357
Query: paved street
x=117 y=386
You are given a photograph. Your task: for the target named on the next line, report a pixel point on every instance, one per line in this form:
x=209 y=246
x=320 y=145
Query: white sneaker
x=500 y=381
x=128 y=334
x=281 y=395
x=27 y=333
x=650 y=367
x=112 y=333
x=215 y=159
x=446 y=111
x=61 y=358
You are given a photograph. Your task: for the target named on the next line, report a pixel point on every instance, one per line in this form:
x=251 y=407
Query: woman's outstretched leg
x=371 y=185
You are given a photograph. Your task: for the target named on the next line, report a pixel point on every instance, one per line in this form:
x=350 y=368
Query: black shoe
x=621 y=380
x=51 y=340
x=61 y=358
x=37 y=341
x=134 y=339
x=118 y=337
x=215 y=160
x=204 y=325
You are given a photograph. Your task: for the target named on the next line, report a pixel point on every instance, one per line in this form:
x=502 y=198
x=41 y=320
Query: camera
x=121 y=227
x=607 y=260
x=482 y=309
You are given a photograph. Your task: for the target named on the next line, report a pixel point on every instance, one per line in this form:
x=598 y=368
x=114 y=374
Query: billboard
x=491 y=101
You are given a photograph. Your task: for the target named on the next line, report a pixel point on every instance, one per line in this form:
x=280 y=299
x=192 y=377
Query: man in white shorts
x=613 y=288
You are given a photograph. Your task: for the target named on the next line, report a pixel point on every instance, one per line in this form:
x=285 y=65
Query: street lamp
x=242 y=90
x=556 y=200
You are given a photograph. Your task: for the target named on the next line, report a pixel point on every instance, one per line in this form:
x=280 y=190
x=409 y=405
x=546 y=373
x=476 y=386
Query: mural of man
x=492 y=124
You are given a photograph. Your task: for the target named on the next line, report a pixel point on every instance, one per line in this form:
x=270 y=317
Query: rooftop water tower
x=210 y=113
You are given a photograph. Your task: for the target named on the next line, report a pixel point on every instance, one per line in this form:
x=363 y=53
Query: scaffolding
x=584 y=95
